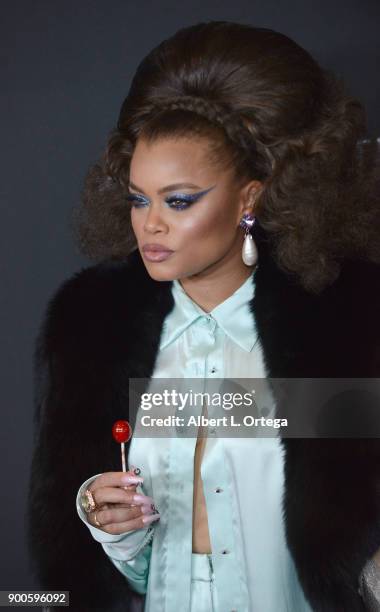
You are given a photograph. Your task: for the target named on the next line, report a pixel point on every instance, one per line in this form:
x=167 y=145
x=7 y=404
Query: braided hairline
x=238 y=128
x=215 y=112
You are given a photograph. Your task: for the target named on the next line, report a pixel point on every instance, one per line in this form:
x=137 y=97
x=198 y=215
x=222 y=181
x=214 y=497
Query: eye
x=135 y=200
x=174 y=202
x=182 y=204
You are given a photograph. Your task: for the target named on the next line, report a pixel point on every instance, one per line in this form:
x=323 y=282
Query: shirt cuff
x=136 y=571
x=123 y=546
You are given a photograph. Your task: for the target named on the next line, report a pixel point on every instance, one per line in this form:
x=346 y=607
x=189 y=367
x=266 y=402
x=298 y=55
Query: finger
x=115 y=495
x=131 y=525
x=131 y=487
x=121 y=515
x=107 y=506
x=115 y=479
x=120 y=506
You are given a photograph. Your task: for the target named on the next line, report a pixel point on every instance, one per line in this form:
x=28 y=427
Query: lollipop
x=122 y=432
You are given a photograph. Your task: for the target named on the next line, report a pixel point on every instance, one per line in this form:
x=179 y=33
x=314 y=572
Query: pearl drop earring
x=249 y=251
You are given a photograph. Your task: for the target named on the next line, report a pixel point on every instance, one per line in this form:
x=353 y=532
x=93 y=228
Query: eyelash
x=185 y=203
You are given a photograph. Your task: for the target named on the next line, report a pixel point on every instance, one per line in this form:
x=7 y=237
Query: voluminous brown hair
x=271 y=112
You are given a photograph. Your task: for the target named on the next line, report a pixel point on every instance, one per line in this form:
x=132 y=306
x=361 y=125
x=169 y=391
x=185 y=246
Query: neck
x=218 y=281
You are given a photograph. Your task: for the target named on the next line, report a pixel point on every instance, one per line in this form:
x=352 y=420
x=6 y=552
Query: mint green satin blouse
x=242 y=478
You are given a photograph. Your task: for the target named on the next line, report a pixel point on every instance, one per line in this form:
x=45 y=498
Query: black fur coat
x=103 y=326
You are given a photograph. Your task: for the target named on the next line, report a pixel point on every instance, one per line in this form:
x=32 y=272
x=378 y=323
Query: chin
x=159 y=273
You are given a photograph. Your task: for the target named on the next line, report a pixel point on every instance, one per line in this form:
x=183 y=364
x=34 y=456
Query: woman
x=240 y=163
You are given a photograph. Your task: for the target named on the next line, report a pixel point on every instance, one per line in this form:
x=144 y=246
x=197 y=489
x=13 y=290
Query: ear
x=248 y=196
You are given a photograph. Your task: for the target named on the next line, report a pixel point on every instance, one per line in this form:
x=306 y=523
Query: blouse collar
x=233 y=315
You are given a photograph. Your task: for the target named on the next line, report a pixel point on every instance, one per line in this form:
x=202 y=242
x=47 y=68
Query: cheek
x=213 y=224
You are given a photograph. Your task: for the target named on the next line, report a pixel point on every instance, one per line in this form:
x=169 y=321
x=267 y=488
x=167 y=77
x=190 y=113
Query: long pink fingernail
x=143 y=499
x=150 y=518
x=147 y=508
x=132 y=479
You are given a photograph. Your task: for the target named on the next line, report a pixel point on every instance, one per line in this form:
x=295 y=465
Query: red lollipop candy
x=122 y=432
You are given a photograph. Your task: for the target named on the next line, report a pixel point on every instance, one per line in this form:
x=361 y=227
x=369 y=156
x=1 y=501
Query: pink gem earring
x=249 y=252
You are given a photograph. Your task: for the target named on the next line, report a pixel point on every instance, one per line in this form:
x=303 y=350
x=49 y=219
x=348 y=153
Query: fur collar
x=103 y=326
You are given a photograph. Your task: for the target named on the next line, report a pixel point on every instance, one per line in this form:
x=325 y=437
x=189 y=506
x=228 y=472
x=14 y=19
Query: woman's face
x=182 y=203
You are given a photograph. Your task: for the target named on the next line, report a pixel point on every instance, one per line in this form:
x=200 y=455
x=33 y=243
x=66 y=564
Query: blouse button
x=218 y=490
x=213 y=370
x=225 y=551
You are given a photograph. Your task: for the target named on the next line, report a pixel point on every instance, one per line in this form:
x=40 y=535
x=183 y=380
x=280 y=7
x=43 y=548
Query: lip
x=156 y=252
x=154 y=246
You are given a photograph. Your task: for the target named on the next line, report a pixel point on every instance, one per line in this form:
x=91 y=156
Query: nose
x=153 y=221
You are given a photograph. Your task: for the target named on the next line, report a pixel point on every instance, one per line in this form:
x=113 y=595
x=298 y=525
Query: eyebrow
x=168 y=187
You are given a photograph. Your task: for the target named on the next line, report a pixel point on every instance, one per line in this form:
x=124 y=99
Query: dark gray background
x=66 y=67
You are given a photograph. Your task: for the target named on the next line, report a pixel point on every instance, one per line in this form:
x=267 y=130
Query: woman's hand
x=118 y=508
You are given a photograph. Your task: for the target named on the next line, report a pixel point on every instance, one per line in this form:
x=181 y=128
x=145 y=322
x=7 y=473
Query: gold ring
x=88 y=502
